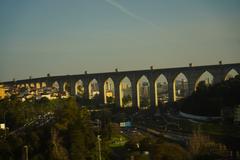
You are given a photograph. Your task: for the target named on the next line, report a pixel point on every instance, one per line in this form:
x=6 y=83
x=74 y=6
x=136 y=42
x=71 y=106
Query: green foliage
x=138 y=156
x=69 y=136
x=115 y=129
x=110 y=100
x=126 y=100
x=77 y=141
x=169 y=151
x=134 y=141
x=145 y=101
x=202 y=147
x=57 y=150
x=146 y=144
x=209 y=100
x=5 y=151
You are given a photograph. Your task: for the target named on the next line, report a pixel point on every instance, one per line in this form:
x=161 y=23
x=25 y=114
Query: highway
x=39 y=121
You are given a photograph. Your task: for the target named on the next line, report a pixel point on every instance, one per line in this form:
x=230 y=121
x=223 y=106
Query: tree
x=78 y=151
x=115 y=128
x=57 y=150
x=169 y=151
x=146 y=144
x=126 y=100
x=202 y=147
x=110 y=100
x=5 y=150
x=134 y=141
x=201 y=87
x=209 y=100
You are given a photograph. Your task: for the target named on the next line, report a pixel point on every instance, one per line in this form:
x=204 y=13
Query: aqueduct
x=81 y=84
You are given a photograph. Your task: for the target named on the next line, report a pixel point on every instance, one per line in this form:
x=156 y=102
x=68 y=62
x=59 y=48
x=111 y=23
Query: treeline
x=69 y=135
x=199 y=147
x=209 y=100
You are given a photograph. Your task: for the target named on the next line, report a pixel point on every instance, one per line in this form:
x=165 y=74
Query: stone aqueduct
x=192 y=73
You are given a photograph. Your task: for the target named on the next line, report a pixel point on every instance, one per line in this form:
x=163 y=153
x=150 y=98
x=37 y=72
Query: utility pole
x=99 y=140
x=99 y=147
x=25 y=152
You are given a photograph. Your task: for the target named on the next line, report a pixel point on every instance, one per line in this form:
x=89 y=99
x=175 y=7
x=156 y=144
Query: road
x=39 y=121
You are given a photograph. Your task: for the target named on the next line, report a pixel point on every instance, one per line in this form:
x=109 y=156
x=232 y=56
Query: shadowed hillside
x=210 y=100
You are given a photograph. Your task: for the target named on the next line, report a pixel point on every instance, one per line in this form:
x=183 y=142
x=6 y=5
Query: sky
x=63 y=37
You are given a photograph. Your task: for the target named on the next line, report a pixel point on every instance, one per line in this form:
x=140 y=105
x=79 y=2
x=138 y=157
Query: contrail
x=127 y=12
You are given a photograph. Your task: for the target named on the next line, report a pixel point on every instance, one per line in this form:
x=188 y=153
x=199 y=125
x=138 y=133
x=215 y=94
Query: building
x=2 y=92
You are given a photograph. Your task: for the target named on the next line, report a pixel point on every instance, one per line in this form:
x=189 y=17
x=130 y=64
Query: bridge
x=219 y=73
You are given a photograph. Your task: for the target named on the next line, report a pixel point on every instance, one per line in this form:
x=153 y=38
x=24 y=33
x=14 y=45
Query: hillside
x=209 y=101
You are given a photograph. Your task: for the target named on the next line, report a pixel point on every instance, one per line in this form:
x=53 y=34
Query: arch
x=55 y=86
x=18 y=86
x=125 y=92
x=27 y=85
x=79 y=88
x=206 y=78
x=66 y=88
x=44 y=84
x=109 y=91
x=180 y=87
x=143 y=93
x=93 y=89
x=23 y=89
x=32 y=85
x=161 y=90
x=38 y=85
x=231 y=74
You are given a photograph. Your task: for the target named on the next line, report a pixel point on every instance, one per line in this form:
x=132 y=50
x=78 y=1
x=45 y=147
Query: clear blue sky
x=69 y=36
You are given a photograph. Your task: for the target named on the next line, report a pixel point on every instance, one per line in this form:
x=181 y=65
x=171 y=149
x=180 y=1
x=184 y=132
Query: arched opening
x=23 y=90
x=93 y=89
x=55 y=87
x=79 y=88
x=180 y=87
x=27 y=86
x=231 y=74
x=44 y=88
x=161 y=90
x=109 y=93
x=44 y=85
x=205 y=80
x=125 y=92
x=38 y=88
x=32 y=85
x=66 y=89
x=32 y=88
x=38 y=85
x=18 y=86
x=143 y=93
